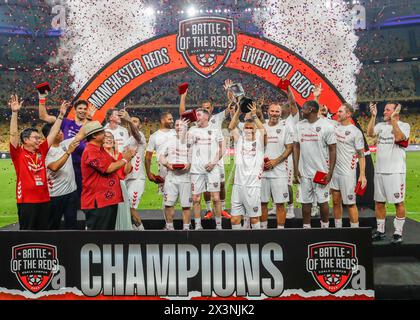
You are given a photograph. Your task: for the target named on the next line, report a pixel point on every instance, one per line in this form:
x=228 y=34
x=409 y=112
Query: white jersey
x=277 y=137
x=205 y=146
x=314 y=139
x=158 y=139
x=63 y=181
x=176 y=152
x=349 y=140
x=216 y=120
x=138 y=160
x=120 y=136
x=249 y=161
x=390 y=157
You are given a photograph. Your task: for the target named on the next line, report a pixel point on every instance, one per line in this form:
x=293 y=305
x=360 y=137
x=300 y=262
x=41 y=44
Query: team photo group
x=101 y=168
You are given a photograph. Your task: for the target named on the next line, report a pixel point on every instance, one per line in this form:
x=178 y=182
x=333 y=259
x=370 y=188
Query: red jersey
x=99 y=189
x=31 y=174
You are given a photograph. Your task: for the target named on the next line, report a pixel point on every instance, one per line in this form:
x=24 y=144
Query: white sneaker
x=218 y=227
x=138 y=228
x=314 y=211
x=272 y=212
x=290 y=214
x=198 y=227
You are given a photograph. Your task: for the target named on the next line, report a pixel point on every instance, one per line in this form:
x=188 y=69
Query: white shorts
x=246 y=201
x=346 y=186
x=174 y=190
x=135 y=189
x=276 y=188
x=209 y=182
x=290 y=173
x=310 y=192
x=221 y=172
x=389 y=187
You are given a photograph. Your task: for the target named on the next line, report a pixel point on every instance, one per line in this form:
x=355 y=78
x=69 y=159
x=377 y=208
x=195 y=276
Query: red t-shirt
x=31 y=174
x=97 y=186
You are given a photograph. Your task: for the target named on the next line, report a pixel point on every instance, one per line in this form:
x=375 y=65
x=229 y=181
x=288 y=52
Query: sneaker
x=167 y=229
x=272 y=212
x=208 y=215
x=226 y=215
x=138 y=228
x=290 y=214
x=378 y=236
x=218 y=227
x=314 y=211
x=396 y=239
x=198 y=227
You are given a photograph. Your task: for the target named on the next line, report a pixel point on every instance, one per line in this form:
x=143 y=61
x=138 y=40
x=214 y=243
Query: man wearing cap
x=101 y=191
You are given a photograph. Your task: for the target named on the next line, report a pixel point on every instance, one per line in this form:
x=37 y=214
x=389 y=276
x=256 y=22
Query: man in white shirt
x=156 y=142
x=206 y=149
x=136 y=179
x=113 y=119
x=249 y=161
x=350 y=149
x=314 y=151
x=290 y=114
x=61 y=179
x=177 y=182
x=390 y=170
x=215 y=123
x=274 y=182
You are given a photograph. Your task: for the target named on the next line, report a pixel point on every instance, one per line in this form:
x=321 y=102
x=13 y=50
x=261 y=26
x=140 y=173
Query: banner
x=229 y=264
x=204 y=45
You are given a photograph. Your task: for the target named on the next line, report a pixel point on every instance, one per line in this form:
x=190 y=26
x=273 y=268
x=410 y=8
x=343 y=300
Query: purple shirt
x=70 y=129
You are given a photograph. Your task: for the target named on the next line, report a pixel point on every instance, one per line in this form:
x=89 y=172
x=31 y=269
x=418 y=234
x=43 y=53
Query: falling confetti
x=97 y=31
x=319 y=31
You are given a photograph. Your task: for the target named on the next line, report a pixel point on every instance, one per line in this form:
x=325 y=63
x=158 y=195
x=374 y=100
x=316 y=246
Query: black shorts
x=33 y=216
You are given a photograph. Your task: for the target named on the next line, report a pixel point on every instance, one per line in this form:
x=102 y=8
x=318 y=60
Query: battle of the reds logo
x=217 y=150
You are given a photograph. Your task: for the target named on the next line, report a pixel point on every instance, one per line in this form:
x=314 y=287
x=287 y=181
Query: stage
x=396 y=267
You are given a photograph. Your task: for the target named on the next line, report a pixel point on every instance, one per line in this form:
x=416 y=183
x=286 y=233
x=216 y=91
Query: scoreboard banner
x=205 y=45
x=231 y=264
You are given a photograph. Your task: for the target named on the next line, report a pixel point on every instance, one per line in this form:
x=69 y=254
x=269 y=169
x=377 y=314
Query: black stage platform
x=396 y=267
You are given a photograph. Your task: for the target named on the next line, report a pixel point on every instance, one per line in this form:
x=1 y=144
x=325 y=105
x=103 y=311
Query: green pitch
x=151 y=200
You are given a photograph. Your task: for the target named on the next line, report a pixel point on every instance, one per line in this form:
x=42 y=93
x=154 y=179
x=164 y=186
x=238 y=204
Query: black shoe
x=378 y=236
x=396 y=239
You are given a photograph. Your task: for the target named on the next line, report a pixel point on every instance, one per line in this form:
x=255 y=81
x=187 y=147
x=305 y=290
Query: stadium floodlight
x=415 y=59
x=191 y=11
x=399 y=59
x=149 y=11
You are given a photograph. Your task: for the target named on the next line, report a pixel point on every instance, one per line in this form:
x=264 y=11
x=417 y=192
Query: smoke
x=319 y=31
x=99 y=30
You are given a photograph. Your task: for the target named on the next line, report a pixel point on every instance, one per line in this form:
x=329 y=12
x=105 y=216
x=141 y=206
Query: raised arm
x=317 y=92
x=292 y=101
x=42 y=110
x=182 y=102
x=125 y=118
x=233 y=125
x=15 y=106
x=371 y=124
x=57 y=124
